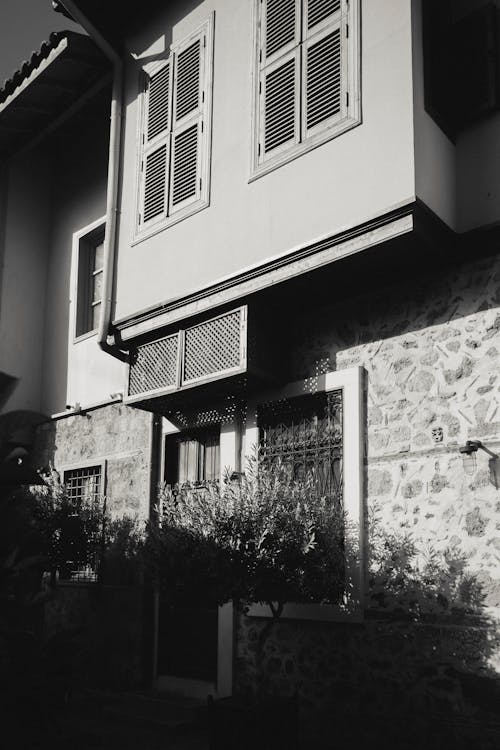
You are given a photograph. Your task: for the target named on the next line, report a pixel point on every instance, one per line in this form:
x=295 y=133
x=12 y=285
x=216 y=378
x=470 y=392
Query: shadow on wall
x=421 y=671
x=418 y=310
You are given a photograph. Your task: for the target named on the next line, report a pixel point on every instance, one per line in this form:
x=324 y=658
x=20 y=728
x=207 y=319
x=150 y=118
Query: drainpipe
x=115 y=130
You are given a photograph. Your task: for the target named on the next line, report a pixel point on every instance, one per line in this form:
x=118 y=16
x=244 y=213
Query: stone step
x=154 y=705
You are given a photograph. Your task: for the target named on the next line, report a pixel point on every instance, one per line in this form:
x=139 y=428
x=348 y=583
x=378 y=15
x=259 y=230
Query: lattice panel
x=212 y=347
x=154 y=367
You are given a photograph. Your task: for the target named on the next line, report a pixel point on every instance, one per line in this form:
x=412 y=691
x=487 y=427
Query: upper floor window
x=175 y=122
x=90 y=278
x=307 y=76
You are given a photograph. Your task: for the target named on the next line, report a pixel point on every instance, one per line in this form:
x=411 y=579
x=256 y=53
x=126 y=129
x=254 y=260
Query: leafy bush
x=263 y=537
x=72 y=533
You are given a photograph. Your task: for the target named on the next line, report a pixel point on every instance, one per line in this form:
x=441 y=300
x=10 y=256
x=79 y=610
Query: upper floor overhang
x=235 y=337
x=113 y=19
x=330 y=267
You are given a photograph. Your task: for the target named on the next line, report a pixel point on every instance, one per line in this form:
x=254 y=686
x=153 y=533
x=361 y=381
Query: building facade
x=292 y=205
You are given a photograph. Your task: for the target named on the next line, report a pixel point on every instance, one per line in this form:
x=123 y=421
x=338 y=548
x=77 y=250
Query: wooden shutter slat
x=188 y=71
x=185 y=165
x=281 y=23
x=320 y=10
x=323 y=79
x=158 y=102
x=155 y=183
x=280 y=110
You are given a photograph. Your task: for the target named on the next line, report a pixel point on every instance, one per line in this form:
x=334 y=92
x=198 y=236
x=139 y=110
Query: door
x=187 y=637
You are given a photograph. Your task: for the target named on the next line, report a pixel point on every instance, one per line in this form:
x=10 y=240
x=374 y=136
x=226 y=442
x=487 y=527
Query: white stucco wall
x=54 y=190
x=76 y=371
x=359 y=175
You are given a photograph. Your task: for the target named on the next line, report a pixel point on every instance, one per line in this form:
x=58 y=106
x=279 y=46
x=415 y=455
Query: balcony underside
x=416 y=243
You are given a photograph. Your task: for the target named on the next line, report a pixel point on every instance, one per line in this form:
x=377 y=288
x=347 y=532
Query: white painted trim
x=285 y=271
x=350 y=382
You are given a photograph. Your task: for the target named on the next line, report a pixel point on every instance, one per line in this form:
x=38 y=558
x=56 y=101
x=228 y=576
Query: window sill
x=302 y=148
x=149 y=232
x=85 y=336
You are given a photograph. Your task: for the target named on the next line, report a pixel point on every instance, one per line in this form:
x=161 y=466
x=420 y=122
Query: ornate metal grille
x=154 y=366
x=81 y=529
x=212 y=347
x=305 y=433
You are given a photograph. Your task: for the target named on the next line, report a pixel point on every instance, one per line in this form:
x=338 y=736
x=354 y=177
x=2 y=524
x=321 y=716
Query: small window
x=193 y=456
x=307 y=76
x=90 y=281
x=82 y=524
x=173 y=179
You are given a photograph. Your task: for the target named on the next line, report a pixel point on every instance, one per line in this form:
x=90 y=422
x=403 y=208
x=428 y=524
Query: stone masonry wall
x=431 y=351
x=109 y=621
x=118 y=434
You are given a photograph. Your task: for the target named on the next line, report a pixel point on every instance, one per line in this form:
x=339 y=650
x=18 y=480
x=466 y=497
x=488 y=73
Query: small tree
x=265 y=537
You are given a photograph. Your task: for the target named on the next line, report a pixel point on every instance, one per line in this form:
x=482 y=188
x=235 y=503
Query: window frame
x=198 y=435
x=351 y=55
x=351 y=383
x=85 y=242
x=65 y=469
x=169 y=217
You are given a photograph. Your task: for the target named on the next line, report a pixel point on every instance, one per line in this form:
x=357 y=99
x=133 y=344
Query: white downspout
x=115 y=132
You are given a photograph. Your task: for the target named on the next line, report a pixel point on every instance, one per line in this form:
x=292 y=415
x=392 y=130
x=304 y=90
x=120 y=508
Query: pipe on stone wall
x=115 y=132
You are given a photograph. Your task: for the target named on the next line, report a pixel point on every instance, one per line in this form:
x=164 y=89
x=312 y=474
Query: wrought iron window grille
x=305 y=434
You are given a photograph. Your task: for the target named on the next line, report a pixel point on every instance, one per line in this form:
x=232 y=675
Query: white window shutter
x=279 y=77
x=155 y=184
x=318 y=13
x=280 y=28
x=324 y=68
x=188 y=126
x=155 y=146
x=279 y=106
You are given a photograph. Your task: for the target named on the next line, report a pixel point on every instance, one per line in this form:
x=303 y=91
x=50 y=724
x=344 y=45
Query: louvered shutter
x=188 y=124
x=155 y=146
x=324 y=65
x=279 y=76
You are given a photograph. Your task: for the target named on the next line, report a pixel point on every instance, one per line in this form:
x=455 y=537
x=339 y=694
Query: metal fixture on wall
x=469 y=451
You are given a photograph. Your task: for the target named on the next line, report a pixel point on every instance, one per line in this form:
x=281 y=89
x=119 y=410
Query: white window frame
x=170 y=216
x=350 y=115
x=80 y=238
x=350 y=382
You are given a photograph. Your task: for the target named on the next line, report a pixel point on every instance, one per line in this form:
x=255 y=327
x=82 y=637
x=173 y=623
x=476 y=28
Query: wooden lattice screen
x=154 y=366
x=211 y=347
